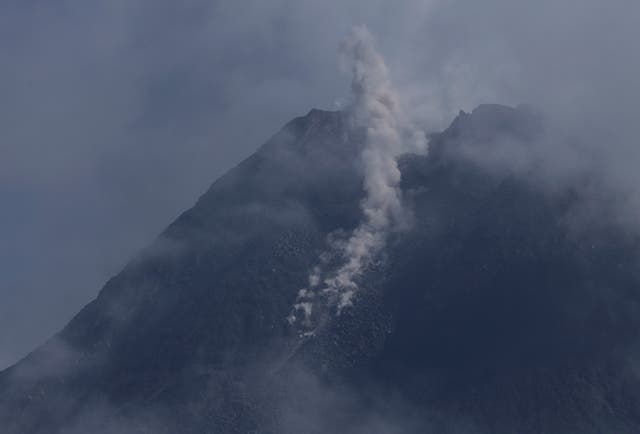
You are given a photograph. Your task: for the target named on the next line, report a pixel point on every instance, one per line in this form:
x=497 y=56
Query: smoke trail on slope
x=377 y=111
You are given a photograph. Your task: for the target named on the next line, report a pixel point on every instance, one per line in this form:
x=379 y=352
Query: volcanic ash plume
x=375 y=110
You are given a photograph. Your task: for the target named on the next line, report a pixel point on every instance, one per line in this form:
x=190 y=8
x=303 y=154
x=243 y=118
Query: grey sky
x=115 y=116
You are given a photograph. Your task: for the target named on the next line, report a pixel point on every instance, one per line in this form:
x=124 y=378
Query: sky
x=115 y=116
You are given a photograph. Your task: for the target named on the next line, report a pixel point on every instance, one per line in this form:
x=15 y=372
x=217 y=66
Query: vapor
x=376 y=110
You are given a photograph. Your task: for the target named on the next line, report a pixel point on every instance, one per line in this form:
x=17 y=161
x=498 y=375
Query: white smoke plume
x=376 y=109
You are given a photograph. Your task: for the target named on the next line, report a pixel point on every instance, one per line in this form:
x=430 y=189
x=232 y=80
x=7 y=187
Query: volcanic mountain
x=495 y=310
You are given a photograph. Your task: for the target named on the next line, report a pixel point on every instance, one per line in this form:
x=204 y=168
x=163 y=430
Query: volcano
x=493 y=311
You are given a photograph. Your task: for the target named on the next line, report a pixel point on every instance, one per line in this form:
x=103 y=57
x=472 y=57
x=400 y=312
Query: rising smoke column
x=375 y=110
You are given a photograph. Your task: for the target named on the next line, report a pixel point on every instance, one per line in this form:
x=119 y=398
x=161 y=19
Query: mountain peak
x=322 y=114
x=486 y=300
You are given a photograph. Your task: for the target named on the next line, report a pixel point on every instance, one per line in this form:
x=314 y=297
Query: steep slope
x=208 y=294
x=492 y=313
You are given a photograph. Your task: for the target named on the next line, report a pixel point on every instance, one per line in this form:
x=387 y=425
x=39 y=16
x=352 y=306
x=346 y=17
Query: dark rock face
x=492 y=314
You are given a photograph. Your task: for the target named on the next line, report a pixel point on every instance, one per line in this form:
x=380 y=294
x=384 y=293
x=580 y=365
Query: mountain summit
x=491 y=311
